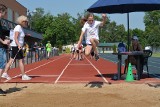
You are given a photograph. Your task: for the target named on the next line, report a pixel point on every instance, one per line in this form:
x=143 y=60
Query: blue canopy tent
x=124 y=6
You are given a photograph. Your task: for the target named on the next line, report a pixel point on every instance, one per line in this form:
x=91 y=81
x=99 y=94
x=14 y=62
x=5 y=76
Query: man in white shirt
x=90 y=30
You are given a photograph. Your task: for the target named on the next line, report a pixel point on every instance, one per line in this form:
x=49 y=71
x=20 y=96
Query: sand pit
x=80 y=95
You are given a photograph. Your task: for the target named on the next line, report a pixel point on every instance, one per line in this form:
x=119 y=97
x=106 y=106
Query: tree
x=64 y=29
x=37 y=20
x=60 y=29
x=152 y=26
x=113 y=32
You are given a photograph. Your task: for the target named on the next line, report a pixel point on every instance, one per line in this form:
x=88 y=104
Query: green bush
x=67 y=50
x=60 y=48
x=114 y=48
x=156 y=54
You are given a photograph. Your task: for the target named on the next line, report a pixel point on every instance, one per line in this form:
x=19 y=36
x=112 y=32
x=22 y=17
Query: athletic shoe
x=6 y=76
x=2 y=93
x=96 y=57
x=25 y=77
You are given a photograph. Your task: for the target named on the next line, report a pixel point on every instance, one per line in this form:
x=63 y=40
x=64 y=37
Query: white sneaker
x=25 y=77
x=6 y=76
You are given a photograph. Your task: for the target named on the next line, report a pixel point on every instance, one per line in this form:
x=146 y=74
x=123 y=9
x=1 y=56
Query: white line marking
x=63 y=71
x=79 y=78
x=44 y=75
x=73 y=81
x=153 y=66
x=154 y=62
x=80 y=64
x=35 y=68
x=98 y=72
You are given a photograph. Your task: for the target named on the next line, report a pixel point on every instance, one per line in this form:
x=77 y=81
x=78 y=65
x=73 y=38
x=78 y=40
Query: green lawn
x=156 y=55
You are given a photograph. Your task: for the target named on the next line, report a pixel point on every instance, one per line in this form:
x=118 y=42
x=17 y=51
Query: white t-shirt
x=21 y=36
x=91 y=31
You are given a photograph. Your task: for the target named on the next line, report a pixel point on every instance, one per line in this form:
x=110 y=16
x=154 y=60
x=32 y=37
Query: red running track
x=62 y=69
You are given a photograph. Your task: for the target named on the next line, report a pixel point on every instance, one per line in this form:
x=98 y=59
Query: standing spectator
x=16 y=46
x=35 y=50
x=90 y=30
x=41 y=50
x=25 y=49
x=76 y=54
x=3 y=45
x=41 y=46
x=72 y=51
x=80 y=52
x=49 y=48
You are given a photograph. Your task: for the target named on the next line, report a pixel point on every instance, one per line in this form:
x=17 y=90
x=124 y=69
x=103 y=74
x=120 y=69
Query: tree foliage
x=152 y=26
x=64 y=29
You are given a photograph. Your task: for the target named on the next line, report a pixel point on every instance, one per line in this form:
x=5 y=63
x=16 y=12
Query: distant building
x=102 y=47
x=106 y=47
x=14 y=10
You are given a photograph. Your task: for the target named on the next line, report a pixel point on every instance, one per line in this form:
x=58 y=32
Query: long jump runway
x=62 y=69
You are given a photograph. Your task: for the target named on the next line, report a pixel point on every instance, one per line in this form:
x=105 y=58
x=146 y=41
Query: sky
x=78 y=6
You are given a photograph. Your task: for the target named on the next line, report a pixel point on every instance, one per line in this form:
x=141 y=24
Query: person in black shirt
x=3 y=45
x=136 y=46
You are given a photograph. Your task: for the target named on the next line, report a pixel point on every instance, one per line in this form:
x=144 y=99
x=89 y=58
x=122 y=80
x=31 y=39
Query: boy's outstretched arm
x=104 y=16
x=80 y=39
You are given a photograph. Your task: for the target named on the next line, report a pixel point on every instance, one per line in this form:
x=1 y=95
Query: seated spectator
x=133 y=58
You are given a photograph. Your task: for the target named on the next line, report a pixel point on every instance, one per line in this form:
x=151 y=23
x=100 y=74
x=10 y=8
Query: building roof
x=7 y=25
x=107 y=44
x=33 y=34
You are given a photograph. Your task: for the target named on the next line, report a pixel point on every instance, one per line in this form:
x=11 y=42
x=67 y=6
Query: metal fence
x=33 y=56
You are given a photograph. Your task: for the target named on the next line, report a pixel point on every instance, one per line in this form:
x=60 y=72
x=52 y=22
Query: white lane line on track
x=44 y=75
x=73 y=81
x=62 y=72
x=35 y=68
x=80 y=64
x=98 y=72
x=154 y=66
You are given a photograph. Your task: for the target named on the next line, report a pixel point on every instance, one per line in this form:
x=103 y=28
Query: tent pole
x=128 y=31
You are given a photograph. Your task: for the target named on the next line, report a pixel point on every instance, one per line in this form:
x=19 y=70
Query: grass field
x=156 y=55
